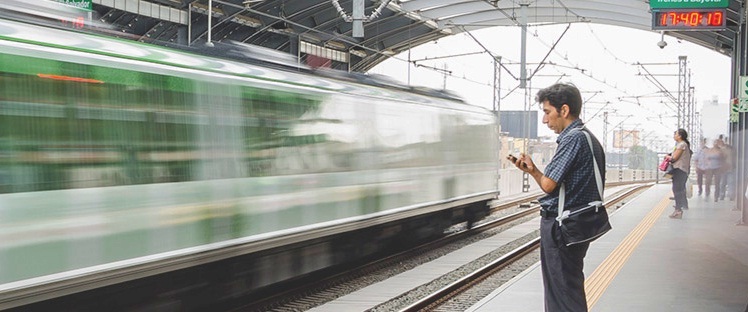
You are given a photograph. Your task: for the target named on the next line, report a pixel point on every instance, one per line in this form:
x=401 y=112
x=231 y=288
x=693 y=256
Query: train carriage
x=116 y=151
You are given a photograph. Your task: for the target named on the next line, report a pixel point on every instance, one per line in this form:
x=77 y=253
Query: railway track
x=306 y=296
x=435 y=300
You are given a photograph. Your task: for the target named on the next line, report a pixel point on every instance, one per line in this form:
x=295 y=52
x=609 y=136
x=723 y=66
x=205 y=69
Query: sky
x=601 y=60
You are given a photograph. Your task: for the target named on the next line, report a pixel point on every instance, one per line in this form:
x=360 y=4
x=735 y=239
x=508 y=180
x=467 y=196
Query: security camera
x=662 y=44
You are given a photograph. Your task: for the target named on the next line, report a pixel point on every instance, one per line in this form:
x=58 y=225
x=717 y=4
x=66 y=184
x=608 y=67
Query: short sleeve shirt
x=684 y=162
x=572 y=165
x=700 y=159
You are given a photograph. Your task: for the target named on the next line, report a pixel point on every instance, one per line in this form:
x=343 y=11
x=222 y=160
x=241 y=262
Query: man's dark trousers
x=562 y=267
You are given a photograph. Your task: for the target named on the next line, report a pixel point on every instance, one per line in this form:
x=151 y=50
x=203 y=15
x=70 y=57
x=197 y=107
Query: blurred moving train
x=115 y=150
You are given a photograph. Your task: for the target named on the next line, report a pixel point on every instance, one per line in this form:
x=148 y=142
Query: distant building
x=713 y=120
x=520 y=124
x=540 y=150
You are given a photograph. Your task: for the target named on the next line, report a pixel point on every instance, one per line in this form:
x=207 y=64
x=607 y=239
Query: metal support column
x=189 y=24
x=357 y=30
x=738 y=129
x=209 y=43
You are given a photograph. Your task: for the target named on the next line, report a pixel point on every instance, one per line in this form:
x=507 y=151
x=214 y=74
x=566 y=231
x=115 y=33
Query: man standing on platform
x=562 y=266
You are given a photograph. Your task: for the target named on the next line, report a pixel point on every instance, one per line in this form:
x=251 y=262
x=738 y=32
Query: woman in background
x=700 y=164
x=681 y=161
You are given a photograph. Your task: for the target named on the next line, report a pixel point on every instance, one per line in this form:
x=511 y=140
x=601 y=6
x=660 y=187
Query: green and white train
x=115 y=153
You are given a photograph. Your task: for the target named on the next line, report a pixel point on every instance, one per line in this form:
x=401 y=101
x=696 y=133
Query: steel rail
x=467 y=281
x=351 y=273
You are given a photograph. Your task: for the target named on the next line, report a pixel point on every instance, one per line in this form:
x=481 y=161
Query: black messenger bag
x=584 y=224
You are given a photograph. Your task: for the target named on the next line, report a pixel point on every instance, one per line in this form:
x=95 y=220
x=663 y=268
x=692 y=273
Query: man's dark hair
x=559 y=94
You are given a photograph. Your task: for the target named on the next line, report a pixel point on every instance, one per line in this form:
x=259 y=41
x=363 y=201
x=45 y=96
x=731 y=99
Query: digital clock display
x=688 y=19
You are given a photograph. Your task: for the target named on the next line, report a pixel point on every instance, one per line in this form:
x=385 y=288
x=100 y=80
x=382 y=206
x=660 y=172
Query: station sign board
x=734 y=110
x=744 y=93
x=740 y=104
x=625 y=138
x=688 y=4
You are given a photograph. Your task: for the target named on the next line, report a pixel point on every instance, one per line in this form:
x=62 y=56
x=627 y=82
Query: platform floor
x=649 y=262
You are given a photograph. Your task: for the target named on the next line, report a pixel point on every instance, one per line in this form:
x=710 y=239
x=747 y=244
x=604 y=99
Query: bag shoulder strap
x=563 y=214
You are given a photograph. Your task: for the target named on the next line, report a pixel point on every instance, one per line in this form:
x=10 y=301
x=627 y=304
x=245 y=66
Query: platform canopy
x=323 y=28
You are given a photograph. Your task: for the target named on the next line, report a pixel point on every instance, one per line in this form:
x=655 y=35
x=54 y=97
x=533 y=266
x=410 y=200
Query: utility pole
x=497 y=112
x=682 y=91
x=691 y=120
x=526 y=147
x=523 y=81
x=444 y=85
x=620 y=153
x=497 y=84
x=605 y=130
x=523 y=52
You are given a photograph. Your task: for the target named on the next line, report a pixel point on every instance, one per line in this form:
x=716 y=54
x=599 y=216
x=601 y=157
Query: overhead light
x=246 y=20
x=388 y=52
x=203 y=8
x=724 y=48
x=281 y=28
x=335 y=45
x=249 y=3
x=358 y=52
x=311 y=38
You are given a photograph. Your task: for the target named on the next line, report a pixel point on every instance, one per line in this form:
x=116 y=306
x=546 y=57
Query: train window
x=81 y=125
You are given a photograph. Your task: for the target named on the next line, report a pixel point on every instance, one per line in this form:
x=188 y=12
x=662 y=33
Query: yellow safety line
x=601 y=278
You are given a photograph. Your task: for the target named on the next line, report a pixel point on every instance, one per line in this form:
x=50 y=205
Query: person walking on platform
x=681 y=161
x=727 y=174
x=713 y=172
x=700 y=163
x=571 y=166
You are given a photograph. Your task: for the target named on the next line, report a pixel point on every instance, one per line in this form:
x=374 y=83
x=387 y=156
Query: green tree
x=641 y=158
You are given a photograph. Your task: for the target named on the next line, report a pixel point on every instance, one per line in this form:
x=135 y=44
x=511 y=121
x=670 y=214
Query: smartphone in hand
x=513 y=159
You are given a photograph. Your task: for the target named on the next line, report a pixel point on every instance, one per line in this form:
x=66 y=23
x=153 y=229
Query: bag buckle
x=597 y=204
x=567 y=213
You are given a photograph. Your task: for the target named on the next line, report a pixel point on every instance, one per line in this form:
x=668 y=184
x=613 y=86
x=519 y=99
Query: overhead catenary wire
x=647 y=77
x=550 y=50
x=657 y=83
x=583 y=71
x=489 y=52
x=605 y=48
x=571 y=65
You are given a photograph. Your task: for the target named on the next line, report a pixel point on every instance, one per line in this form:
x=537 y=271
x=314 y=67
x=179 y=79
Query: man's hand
x=524 y=162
